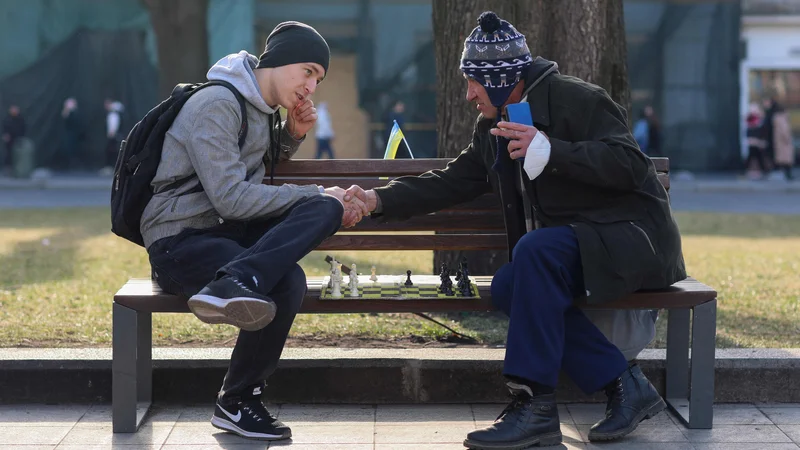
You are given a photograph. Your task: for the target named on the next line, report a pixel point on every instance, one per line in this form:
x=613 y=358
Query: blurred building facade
x=771 y=58
x=698 y=63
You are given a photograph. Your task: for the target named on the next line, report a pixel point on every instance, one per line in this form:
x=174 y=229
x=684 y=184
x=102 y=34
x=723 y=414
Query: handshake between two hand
x=356 y=201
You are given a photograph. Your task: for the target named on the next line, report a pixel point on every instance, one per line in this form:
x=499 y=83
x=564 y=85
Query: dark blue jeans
x=546 y=332
x=266 y=251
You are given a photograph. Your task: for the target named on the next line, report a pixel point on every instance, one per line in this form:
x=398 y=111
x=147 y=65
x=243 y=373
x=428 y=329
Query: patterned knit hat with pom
x=495 y=55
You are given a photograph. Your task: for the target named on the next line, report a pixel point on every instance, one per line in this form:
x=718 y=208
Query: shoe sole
x=249 y=314
x=647 y=413
x=544 y=440
x=226 y=425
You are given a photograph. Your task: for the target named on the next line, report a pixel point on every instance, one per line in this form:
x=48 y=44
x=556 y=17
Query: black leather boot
x=526 y=422
x=631 y=399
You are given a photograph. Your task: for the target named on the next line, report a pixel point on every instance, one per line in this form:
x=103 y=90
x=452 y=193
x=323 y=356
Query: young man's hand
x=519 y=137
x=301 y=119
x=370 y=198
x=354 y=208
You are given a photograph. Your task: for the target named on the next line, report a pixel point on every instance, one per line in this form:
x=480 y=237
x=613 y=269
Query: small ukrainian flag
x=395 y=137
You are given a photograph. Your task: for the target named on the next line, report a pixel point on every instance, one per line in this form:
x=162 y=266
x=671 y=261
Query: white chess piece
x=336 y=280
x=334 y=264
x=373 y=277
x=353 y=281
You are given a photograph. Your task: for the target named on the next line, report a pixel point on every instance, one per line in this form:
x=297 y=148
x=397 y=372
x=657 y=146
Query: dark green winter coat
x=597 y=181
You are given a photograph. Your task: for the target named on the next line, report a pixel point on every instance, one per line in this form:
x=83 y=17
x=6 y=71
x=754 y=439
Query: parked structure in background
x=770 y=66
x=698 y=63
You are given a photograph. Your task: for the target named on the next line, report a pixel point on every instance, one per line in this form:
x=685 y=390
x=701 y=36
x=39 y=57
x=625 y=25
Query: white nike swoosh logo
x=235 y=418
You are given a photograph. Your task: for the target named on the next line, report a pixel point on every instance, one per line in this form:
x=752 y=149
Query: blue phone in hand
x=519 y=113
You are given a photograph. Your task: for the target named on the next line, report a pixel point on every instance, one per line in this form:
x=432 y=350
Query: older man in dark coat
x=587 y=221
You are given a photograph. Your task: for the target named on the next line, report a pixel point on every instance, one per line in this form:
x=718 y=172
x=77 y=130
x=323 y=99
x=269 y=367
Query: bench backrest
x=475 y=225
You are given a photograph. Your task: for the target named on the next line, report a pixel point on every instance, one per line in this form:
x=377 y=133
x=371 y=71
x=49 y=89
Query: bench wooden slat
x=349 y=241
x=662 y=177
x=380 y=167
x=443 y=221
x=144 y=295
x=371 y=183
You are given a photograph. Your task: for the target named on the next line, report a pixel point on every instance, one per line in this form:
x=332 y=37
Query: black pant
x=757 y=154
x=324 y=147
x=787 y=170
x=9 y=153
x=112 y=150
x=547 y=333
x=259 y=253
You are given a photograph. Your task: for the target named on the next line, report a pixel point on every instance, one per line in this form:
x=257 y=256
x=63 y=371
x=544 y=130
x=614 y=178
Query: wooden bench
x=689 y=380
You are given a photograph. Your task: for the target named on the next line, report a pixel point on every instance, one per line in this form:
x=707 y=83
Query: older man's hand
x=370 y=198
x=354 y=208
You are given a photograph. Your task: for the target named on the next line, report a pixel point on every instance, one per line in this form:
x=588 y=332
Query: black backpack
x=140 y=154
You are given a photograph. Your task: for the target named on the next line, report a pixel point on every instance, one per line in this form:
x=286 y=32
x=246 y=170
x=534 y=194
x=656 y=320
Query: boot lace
x=615 y=394
x=518 y=402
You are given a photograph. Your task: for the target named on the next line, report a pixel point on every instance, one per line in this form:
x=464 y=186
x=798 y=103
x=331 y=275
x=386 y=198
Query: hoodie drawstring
x=275 y=146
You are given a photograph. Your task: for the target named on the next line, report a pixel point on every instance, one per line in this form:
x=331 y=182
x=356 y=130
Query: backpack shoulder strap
x=242 y=107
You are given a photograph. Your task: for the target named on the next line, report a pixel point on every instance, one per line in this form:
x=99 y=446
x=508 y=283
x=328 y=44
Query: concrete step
x=369 y=376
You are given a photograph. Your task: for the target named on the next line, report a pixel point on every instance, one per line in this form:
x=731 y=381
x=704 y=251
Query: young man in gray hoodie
x=226 y=240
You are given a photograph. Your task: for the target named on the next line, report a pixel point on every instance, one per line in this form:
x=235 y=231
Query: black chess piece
x=408 y=280
x=444 y=276
x=447 y=284
x=464 y=285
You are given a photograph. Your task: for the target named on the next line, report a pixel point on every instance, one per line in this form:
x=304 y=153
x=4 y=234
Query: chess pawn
x=353 y=281
x=336 y=280
x=373 y=277
x=334 y=266
x=408 y=280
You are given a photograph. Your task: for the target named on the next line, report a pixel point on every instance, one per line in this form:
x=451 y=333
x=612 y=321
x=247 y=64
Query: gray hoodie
x=203 y=142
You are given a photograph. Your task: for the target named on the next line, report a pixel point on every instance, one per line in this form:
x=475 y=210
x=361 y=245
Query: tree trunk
x=182 y=39
x=453 y=20
x=585 y=37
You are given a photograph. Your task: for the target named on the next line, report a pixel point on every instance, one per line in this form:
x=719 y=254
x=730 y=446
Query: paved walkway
x=384 y=427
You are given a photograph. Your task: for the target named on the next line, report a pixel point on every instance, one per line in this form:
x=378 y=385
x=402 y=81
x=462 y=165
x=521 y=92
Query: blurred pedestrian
x=782 y=140
x=13 y=129
x=756 y=144
x=324 y=132
x=72 y=133
x=647 y=132
x=114 y=110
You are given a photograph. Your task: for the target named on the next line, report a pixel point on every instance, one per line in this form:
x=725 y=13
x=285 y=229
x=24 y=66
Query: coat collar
x=539 y=99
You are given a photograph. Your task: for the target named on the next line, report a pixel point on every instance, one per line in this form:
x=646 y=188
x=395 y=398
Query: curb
x=732 y=186
x=56 y=183
x=330 y=375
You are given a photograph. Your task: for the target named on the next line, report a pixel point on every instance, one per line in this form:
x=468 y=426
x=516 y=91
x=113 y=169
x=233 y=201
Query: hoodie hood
x=237 y=69
x=540 y=69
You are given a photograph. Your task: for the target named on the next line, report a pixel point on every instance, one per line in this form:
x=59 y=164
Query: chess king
x=599 y=227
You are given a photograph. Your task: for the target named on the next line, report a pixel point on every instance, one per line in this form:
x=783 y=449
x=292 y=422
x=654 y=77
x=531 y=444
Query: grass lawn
x=60 y=268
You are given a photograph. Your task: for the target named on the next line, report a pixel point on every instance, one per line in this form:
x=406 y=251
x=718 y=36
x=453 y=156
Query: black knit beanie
x=292 y=43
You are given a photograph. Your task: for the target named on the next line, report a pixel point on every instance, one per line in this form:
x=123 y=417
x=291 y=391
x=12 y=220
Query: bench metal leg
x=131 y=368
x=697 y=380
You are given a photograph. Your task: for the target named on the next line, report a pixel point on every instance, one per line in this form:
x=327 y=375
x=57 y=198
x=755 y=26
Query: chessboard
x=391 y=287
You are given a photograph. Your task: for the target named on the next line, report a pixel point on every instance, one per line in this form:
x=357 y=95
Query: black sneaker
x=249 y=418
x=228 y=300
